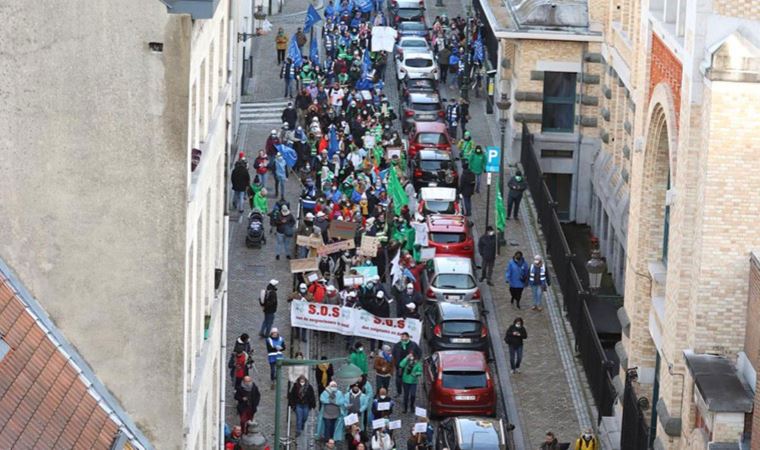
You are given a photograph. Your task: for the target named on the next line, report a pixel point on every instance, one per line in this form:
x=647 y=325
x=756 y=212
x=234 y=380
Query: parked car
x=416 y=65
x=438 y=200
x=456 y=326
x=450 y=278
x=434 y=168
x=470 y=433
x=411 y=43
x=413 y=29
x=420 y=107
x=408 y=85
x=459 y=382
x=406 y=11
x=450 y=234
x=428 y=135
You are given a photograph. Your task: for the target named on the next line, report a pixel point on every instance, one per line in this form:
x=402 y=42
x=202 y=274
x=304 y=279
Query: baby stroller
x=254 y=236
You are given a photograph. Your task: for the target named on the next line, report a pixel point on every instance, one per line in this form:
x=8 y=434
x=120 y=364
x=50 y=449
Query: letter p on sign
x=493 y=155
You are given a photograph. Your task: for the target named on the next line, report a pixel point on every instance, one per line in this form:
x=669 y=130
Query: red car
x=459 y=382
x=433 y=135
x=450 y=235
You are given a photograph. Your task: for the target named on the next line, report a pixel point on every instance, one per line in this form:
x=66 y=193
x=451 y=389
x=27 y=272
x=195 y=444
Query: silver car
x=451 y=278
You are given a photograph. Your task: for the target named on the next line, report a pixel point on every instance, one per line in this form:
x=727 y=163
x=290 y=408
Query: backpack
x=262 y=296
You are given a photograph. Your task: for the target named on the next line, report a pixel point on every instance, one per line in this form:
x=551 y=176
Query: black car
x=406 y=11
x=455 y=326
x=434 y=166
x=420 y=107
x=471 y=433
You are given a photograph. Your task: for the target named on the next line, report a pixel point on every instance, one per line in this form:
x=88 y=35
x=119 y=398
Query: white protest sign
x=420 y=412
x=351 y=419
x=420 y=427
x=378 y=423
x=395 y=425
x=383 y=38
x=384 y=406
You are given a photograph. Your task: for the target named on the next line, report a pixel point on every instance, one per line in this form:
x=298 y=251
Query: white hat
x=309 y=215
x=331 y=288
x=409 y=286
x=274 y=282
x=380 y=294
x=352 y=294
x=273 y=132
x=274 y=330
x=320 y=214
x=302 y=286
x=537 y=258
x=411 y=305
x=284 y=210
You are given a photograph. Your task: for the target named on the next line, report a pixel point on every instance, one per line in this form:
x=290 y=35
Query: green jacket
x=477 y=162
x=466 y=148
x=359 y=359
x=411 y=374
x=260 y=203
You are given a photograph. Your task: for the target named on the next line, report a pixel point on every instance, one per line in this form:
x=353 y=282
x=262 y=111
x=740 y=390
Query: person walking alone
x=477 y=163
x=411 y=371
x=487 y=249
x=517 y=276
x=281 y=44
x=517 y=186
x=514 y=338
x=538 y=280
x=268 y=302
x=587 y=441
x=550 y=442
x=302 y=399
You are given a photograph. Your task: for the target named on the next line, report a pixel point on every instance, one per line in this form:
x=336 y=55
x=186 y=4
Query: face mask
x=301 y=383
x=303 y=291
x=586 y=436
x=518 y=178
x=383 y=397
x=355 y=391
x=361 y=349
x=518 y=325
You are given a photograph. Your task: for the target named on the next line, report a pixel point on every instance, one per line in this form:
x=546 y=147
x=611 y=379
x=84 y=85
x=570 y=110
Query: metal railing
x=634 y=432
x=599 y=370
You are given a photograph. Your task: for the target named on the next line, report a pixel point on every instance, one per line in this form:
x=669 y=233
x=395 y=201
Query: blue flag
x=288 y=154
x=332 y=147
x=479 y=52
x=365 y=6
x=329 y=11
x=314 y=52
x=294 y=53
x=366 y=65
x=312 y=17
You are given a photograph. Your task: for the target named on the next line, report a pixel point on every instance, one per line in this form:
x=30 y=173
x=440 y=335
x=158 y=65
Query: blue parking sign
x=493 y=155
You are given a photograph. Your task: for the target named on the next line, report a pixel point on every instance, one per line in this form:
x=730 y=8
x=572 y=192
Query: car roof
x=452 y=264
x=430 y=127
x=408 y=4
x=458 y=311
x=424 y=97
x=417 y=84
x=434 y=155
x=462 y=360
x=438 y=223
x=414 y=25
x=443 y=194
x=425 y=54
x=410 y=37
x=477 y=433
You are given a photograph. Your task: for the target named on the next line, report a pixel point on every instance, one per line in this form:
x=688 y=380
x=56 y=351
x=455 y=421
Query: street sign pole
x=488 y=197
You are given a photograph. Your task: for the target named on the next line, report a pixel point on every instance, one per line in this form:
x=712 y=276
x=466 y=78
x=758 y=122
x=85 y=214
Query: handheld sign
x=378 y=423
x=395 y=425
x=420 y=412
x=420 y=427
x=351 y=419
x=383 y=406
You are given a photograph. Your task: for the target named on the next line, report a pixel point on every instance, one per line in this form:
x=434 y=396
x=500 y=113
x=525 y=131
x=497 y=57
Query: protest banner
x=369 y=273
x=335 y=247
x=304 y=265
x=352 y=322
x=342 y=230
x=309 y=241
x=369 y=246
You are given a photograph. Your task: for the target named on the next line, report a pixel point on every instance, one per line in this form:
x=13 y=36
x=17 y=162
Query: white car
x=414 y=64
x=411 y=44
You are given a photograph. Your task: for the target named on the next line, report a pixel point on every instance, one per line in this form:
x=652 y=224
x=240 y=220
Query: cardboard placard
x=378 y=423
x=393 y=151
x=383 y=406
x=312 y=277
x=369 y=246
x=427 y=253
x=394 y=425
x=420 y=412
x=335 y=247
x=304 y=265
x=420 y=427
x=353 y=280
x=369 y=273
x=341 y=229
x=309 y=241
x=351 y=419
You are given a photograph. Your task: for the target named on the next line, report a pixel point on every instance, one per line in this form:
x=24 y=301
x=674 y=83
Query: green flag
x=396 y=191
x=501 y=213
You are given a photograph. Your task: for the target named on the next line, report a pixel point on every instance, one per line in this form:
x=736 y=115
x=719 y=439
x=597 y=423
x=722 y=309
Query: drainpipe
x=655 y=396
x=580 y=136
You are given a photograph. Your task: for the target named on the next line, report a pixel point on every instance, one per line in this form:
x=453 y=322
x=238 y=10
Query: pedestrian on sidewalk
x=296 y=372
x=302 y=399
x=464 y=113
x=239 y=365
x=517 y=186
x=466 y=146
x=247 y=396
x=268 y=302
x=452 y=117
x=285 y=226
x=467 y=188
x=587 y=441
x=332 y=409
x=260 y=202
x=401 y=349
x=240 y=178
x=275 y=347
x=550 y=442
x=411 y=369
x=487 y=249
x=538 y=280
x=477 y=163
x=517 y=276
x=514 y=338
x=281 y=44
x=383 y=364
x=443 y=63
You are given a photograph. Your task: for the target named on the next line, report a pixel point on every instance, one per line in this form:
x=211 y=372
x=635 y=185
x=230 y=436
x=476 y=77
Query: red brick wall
x=665 y=67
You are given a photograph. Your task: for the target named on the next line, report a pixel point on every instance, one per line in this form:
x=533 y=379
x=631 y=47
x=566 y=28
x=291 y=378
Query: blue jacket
x=281 y=168
x=517 y=273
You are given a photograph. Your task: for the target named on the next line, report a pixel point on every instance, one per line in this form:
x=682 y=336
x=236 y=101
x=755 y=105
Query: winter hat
x=242 y=155
x=411 y=306
x=380 y=294
x=274 y=330
x=274 y=282
x=284 y=210
x=309 y=216
x=331 y=288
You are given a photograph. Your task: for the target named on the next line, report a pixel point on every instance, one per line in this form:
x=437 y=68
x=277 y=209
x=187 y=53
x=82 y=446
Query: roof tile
x=18 y=330
x=9 y=315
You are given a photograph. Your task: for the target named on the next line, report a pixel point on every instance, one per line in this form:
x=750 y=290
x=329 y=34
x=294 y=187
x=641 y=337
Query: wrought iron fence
x=634 y=433
x=595 y=363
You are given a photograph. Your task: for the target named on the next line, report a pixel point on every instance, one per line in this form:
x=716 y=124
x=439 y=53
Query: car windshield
x=418 y=62
x=425 y=106
x=439 y=206
x=464 y=380
x=407 y=13
x=413 y=26
x=420 y=84
x=431 y=138
x=460 y=327
x=454 y=281
x=448 y=238
x=431 y=165
x=413 y=43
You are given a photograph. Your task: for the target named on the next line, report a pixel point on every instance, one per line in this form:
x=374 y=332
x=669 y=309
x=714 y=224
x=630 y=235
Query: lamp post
x=596 y=268
x=503 y=104
x=346 y=374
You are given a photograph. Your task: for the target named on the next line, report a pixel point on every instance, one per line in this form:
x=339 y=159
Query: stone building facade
x=116 y=130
